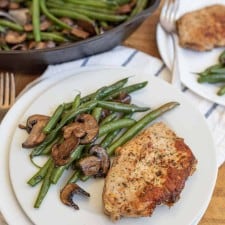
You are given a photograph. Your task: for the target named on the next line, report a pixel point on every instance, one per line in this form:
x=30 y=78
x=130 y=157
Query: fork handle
x=175 y=81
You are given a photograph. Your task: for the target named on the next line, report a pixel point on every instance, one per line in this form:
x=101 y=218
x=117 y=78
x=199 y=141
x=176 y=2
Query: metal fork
x=7 y=92
x=168 y=23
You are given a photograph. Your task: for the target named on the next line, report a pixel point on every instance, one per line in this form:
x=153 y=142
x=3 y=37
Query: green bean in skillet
x=11 y=25
x=59 y=4
x=141 y=4
x=52 y=17
x=97 y=4
x=121 y=2
x=36 y=20
x=140 y=124
x=73 y=13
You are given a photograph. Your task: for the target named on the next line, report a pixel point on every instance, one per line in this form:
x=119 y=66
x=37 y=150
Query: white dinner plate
x=190 y=61
x=185 y=120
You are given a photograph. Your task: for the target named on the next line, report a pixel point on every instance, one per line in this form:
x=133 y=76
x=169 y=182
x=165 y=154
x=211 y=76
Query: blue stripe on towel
x=84 y=63
x=129 y=59
x=210 y=110
x=160 y=70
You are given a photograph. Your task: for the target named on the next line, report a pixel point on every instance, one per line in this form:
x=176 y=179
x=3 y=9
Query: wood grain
x=144 y=39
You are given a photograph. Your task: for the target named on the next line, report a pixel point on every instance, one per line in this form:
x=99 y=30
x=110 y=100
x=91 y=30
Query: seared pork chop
x=149 y=170
x=202 y=29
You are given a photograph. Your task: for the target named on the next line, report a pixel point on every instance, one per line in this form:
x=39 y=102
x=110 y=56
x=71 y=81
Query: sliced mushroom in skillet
x=77 y=32
x=41 y=45
x=34 y=127
x=4 y=4
x=13 y=37
x=61 y=152
x=66 y=194
x=21 y=46
x=21 y=15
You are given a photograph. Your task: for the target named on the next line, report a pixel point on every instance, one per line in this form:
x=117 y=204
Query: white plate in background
x=190 y=61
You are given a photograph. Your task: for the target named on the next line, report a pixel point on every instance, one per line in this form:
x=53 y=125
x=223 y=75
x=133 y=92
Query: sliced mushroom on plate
x=85 y=127
x=89 y=165
x=96 y=164
x=90 y=125
x=123 y=98
x=101 y=153
x=61 y=152
x=34 y=127
x=67 y=193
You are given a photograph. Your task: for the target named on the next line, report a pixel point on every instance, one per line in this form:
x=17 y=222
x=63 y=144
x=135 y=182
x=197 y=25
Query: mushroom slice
x=33 y=119
x=74 y=128
x=79 y=33
x=34 y=127
x=21 y=15
x=66 y=194
x=45 y=25
x=87 y=26
x=123 y=98
x=13 y=37
x=4 y=4
x=21 y=46
x=89 y=165
x=90 y=126
x=61 y=152
x=101 y=153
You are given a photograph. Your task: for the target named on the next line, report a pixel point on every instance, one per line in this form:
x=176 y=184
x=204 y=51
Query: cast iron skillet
x=35 y=61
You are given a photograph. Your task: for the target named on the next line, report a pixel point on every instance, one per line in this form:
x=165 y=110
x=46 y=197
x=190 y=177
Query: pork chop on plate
x=149 y=170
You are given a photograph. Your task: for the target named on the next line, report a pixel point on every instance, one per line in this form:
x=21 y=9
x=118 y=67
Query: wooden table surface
x=144 y=39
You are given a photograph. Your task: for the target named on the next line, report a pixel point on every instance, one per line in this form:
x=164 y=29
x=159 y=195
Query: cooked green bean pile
x=215 y=74
x=82 y=135
x=38 y=24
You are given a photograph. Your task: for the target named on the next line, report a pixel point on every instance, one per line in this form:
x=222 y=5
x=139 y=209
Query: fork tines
x=7 y=90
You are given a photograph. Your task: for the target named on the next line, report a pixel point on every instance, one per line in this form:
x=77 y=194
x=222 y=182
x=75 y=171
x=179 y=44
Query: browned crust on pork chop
x=202 y=29
x=149 y=170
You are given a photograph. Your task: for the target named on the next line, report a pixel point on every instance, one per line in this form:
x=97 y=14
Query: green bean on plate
x=215 y=75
